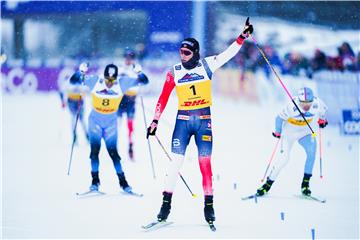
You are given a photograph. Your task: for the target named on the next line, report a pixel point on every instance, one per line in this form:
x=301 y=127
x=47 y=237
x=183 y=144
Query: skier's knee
x=95 y=150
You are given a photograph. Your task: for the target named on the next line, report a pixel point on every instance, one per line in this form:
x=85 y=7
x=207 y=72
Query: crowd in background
x=295 y=63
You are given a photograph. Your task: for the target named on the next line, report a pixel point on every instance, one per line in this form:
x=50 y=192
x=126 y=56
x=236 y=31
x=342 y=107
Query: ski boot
x=123 y=183
x=165 y=207
x=209 y=209
x=95 y=181
x=131 y=152
x=264 y=188
x=305 y=188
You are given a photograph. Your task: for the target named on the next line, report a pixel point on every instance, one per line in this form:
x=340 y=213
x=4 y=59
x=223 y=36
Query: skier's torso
x=295 y=123
x=193 y=87
x=105 y=101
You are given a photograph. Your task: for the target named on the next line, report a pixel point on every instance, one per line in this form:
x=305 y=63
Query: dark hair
x=111 y=71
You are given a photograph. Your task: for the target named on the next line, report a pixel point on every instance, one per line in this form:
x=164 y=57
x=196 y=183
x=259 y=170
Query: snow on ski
x=312 y=197
x=90 y=193
x=156 y=225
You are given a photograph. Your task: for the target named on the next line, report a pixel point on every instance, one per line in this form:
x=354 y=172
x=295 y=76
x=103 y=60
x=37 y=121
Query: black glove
x=248 y=29
x=322 y=123
x=277 y=135
x=152 y=128
x=143 y=79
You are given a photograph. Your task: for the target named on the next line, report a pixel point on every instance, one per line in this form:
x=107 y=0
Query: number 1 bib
x=193 y=87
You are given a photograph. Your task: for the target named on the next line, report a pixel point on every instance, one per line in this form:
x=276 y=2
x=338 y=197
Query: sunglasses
x=185 y=52
x=110 y=80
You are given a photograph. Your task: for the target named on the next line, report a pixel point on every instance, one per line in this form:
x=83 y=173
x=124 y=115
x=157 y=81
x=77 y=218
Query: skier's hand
x=322 y=123
x=152 y=128
x=84 y=67
x=276 y=134
x=248 y=29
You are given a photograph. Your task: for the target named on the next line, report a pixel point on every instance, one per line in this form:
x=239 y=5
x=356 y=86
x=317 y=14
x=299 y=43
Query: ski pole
x=74 y=137
x=148 y=141
x=320 y=148
x=313 y=134
x=270 y=160
x=167 y=154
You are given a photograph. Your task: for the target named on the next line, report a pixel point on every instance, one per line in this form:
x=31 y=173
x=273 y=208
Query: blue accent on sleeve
x=127 y=82
x=207 y=69
x=143 y=79
x=278 y=124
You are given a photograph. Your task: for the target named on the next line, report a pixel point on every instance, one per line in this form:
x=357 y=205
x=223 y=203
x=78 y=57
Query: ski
x=135 y=194
x=212 y=226
x=90 y=193
x=250 y=197
x=155 y=225
x=311 y=197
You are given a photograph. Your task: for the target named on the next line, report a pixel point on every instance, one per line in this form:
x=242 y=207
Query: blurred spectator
x=295 y=63
x=247 y=57
x=273 y=58
x=347 y=56
x=357 y=63
x=318 y=62
x=334 y=63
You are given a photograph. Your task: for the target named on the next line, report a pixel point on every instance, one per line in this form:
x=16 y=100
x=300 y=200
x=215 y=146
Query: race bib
x=105 y=105
x=299 y=122
x=194 y=95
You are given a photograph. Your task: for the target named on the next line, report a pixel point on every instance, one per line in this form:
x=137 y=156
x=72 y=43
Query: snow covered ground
x=39 y=201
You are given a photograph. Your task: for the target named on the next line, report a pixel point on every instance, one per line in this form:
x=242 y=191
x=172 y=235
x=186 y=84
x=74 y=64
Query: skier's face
x=129 y=61
x=185 y=54
x=109 y=82
x=305 y=105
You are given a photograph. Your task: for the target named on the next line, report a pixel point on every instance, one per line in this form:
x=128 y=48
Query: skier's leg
x=95 y=134
x=309 y=145
x=203 y=140
x=286 y=144
x=110 y=137
x=130 y=111
x=180 y=140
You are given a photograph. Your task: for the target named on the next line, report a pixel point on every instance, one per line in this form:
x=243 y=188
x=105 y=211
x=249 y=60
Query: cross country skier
x=72 y=94
x=291 y=128
x=130 y=69
x=192 y=80
x=106 y=93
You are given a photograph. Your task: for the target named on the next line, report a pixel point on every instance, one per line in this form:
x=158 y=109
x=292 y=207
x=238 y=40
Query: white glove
x=84 y=67
x=137 y=68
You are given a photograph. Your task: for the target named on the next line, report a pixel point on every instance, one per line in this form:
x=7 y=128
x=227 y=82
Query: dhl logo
x=103 y=110
x=194 y=103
